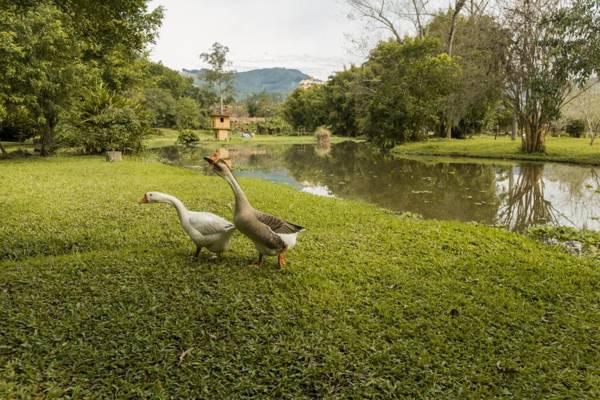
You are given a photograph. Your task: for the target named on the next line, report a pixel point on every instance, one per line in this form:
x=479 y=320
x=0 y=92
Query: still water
x=515 y=195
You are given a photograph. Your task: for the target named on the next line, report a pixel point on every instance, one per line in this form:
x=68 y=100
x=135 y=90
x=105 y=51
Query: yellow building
x=221 y=125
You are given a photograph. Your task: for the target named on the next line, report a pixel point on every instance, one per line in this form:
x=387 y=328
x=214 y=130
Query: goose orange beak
x=217 y=156
x=143 y=200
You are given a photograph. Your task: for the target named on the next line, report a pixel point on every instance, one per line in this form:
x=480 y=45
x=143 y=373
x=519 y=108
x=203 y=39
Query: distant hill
x=271 y=80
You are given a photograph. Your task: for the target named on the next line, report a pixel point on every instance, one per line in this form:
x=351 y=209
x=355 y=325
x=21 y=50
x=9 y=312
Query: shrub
x=106 y=120
x=575 y=128
x=187 y=138
x=323 y=136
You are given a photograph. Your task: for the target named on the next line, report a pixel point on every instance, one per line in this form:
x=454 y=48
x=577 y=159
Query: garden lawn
x=563 y=149
x=99 y=298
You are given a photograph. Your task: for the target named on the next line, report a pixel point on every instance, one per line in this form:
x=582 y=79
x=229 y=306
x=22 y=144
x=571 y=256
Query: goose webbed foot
x=259 y=262
x=197 y=253
x=281 y=260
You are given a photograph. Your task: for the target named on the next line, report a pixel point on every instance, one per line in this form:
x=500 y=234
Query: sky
x=309 y=35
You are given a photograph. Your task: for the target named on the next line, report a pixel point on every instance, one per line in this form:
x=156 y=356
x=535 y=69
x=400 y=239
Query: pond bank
x=99 y=298
x=563 y=149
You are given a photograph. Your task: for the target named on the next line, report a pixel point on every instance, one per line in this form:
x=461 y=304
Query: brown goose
x=271 y=236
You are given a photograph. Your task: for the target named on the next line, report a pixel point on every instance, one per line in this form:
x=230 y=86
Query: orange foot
x=281 y=260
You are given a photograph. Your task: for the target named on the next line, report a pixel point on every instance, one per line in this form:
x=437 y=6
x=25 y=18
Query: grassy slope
x=168 y=137
x=557 y=149
x=98 y=298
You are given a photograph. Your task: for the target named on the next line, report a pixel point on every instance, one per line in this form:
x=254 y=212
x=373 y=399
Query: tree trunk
x=534 y=140
x=515 y=127
x=458 y=5
x=48 y=139
x=2 y=150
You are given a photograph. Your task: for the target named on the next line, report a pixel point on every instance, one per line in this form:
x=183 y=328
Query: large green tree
x=51 y=50
x=305 y=109
x=405 y=85
x=342 y=99
x=40 y=68
x=553 y=51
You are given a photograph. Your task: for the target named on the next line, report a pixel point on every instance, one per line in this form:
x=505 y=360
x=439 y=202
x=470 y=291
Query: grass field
x=563 y=149
x=168 y=137
x=99 y=298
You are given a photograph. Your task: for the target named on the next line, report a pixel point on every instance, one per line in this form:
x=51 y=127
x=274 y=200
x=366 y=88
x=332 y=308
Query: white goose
x=205 y=229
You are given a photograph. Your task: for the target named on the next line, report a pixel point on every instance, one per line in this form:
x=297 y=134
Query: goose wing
x=278 y=225
x=209 y=224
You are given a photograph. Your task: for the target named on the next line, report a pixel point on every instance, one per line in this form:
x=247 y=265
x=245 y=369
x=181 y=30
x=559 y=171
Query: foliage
x=364 y=310
x=261 y=105
x=553 y=50
x=51 y=51
x=39 y=63
x=575 y=127
x=406 y=84
x=162 y=107
x=187 y=138
x=342 y=98
x=187 y=114
x=479 y=46
x=218 y=76
x=304 y=109
x=105 y=120
x=273 y=126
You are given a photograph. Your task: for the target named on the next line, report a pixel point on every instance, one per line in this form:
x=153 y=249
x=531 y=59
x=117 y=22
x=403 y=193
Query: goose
x=205 y=229
x=271 y=235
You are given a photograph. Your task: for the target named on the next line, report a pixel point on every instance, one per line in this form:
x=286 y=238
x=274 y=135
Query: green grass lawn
x=99 y=298
x=564 y=149
x=168 y=137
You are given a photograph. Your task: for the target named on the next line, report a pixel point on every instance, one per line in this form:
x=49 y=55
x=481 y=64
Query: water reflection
x=514 y=195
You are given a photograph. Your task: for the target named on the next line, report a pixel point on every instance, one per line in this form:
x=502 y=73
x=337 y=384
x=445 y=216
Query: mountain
x=271 y=80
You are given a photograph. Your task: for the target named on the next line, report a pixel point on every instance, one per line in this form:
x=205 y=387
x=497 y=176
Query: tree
x=187 y=113
x=218 y=75
x=39 y=63
x=261 y=105
x=162 y=106
x=479 y=45
x=405 y=85
x=304 y=109
x=106 y=120
x=51 y=50
x=553 y=50
x=342 y=97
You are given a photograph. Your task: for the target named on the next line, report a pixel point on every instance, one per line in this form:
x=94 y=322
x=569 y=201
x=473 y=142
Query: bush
x=575 y=128
x=187 y=138
x=106 y=120
x=323 y=136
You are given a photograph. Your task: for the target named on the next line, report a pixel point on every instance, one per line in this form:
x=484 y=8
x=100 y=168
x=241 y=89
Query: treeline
x=75 y=73
x=463 y=72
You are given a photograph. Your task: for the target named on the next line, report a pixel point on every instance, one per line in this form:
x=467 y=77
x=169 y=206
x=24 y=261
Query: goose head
x=220 y=166
x=152 y=197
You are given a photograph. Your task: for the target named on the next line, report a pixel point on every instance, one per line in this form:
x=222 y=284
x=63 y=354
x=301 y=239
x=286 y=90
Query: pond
x=514 y=195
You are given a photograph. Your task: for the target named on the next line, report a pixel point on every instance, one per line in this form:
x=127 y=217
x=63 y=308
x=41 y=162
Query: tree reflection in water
x=435 y=190
x=524 y=204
